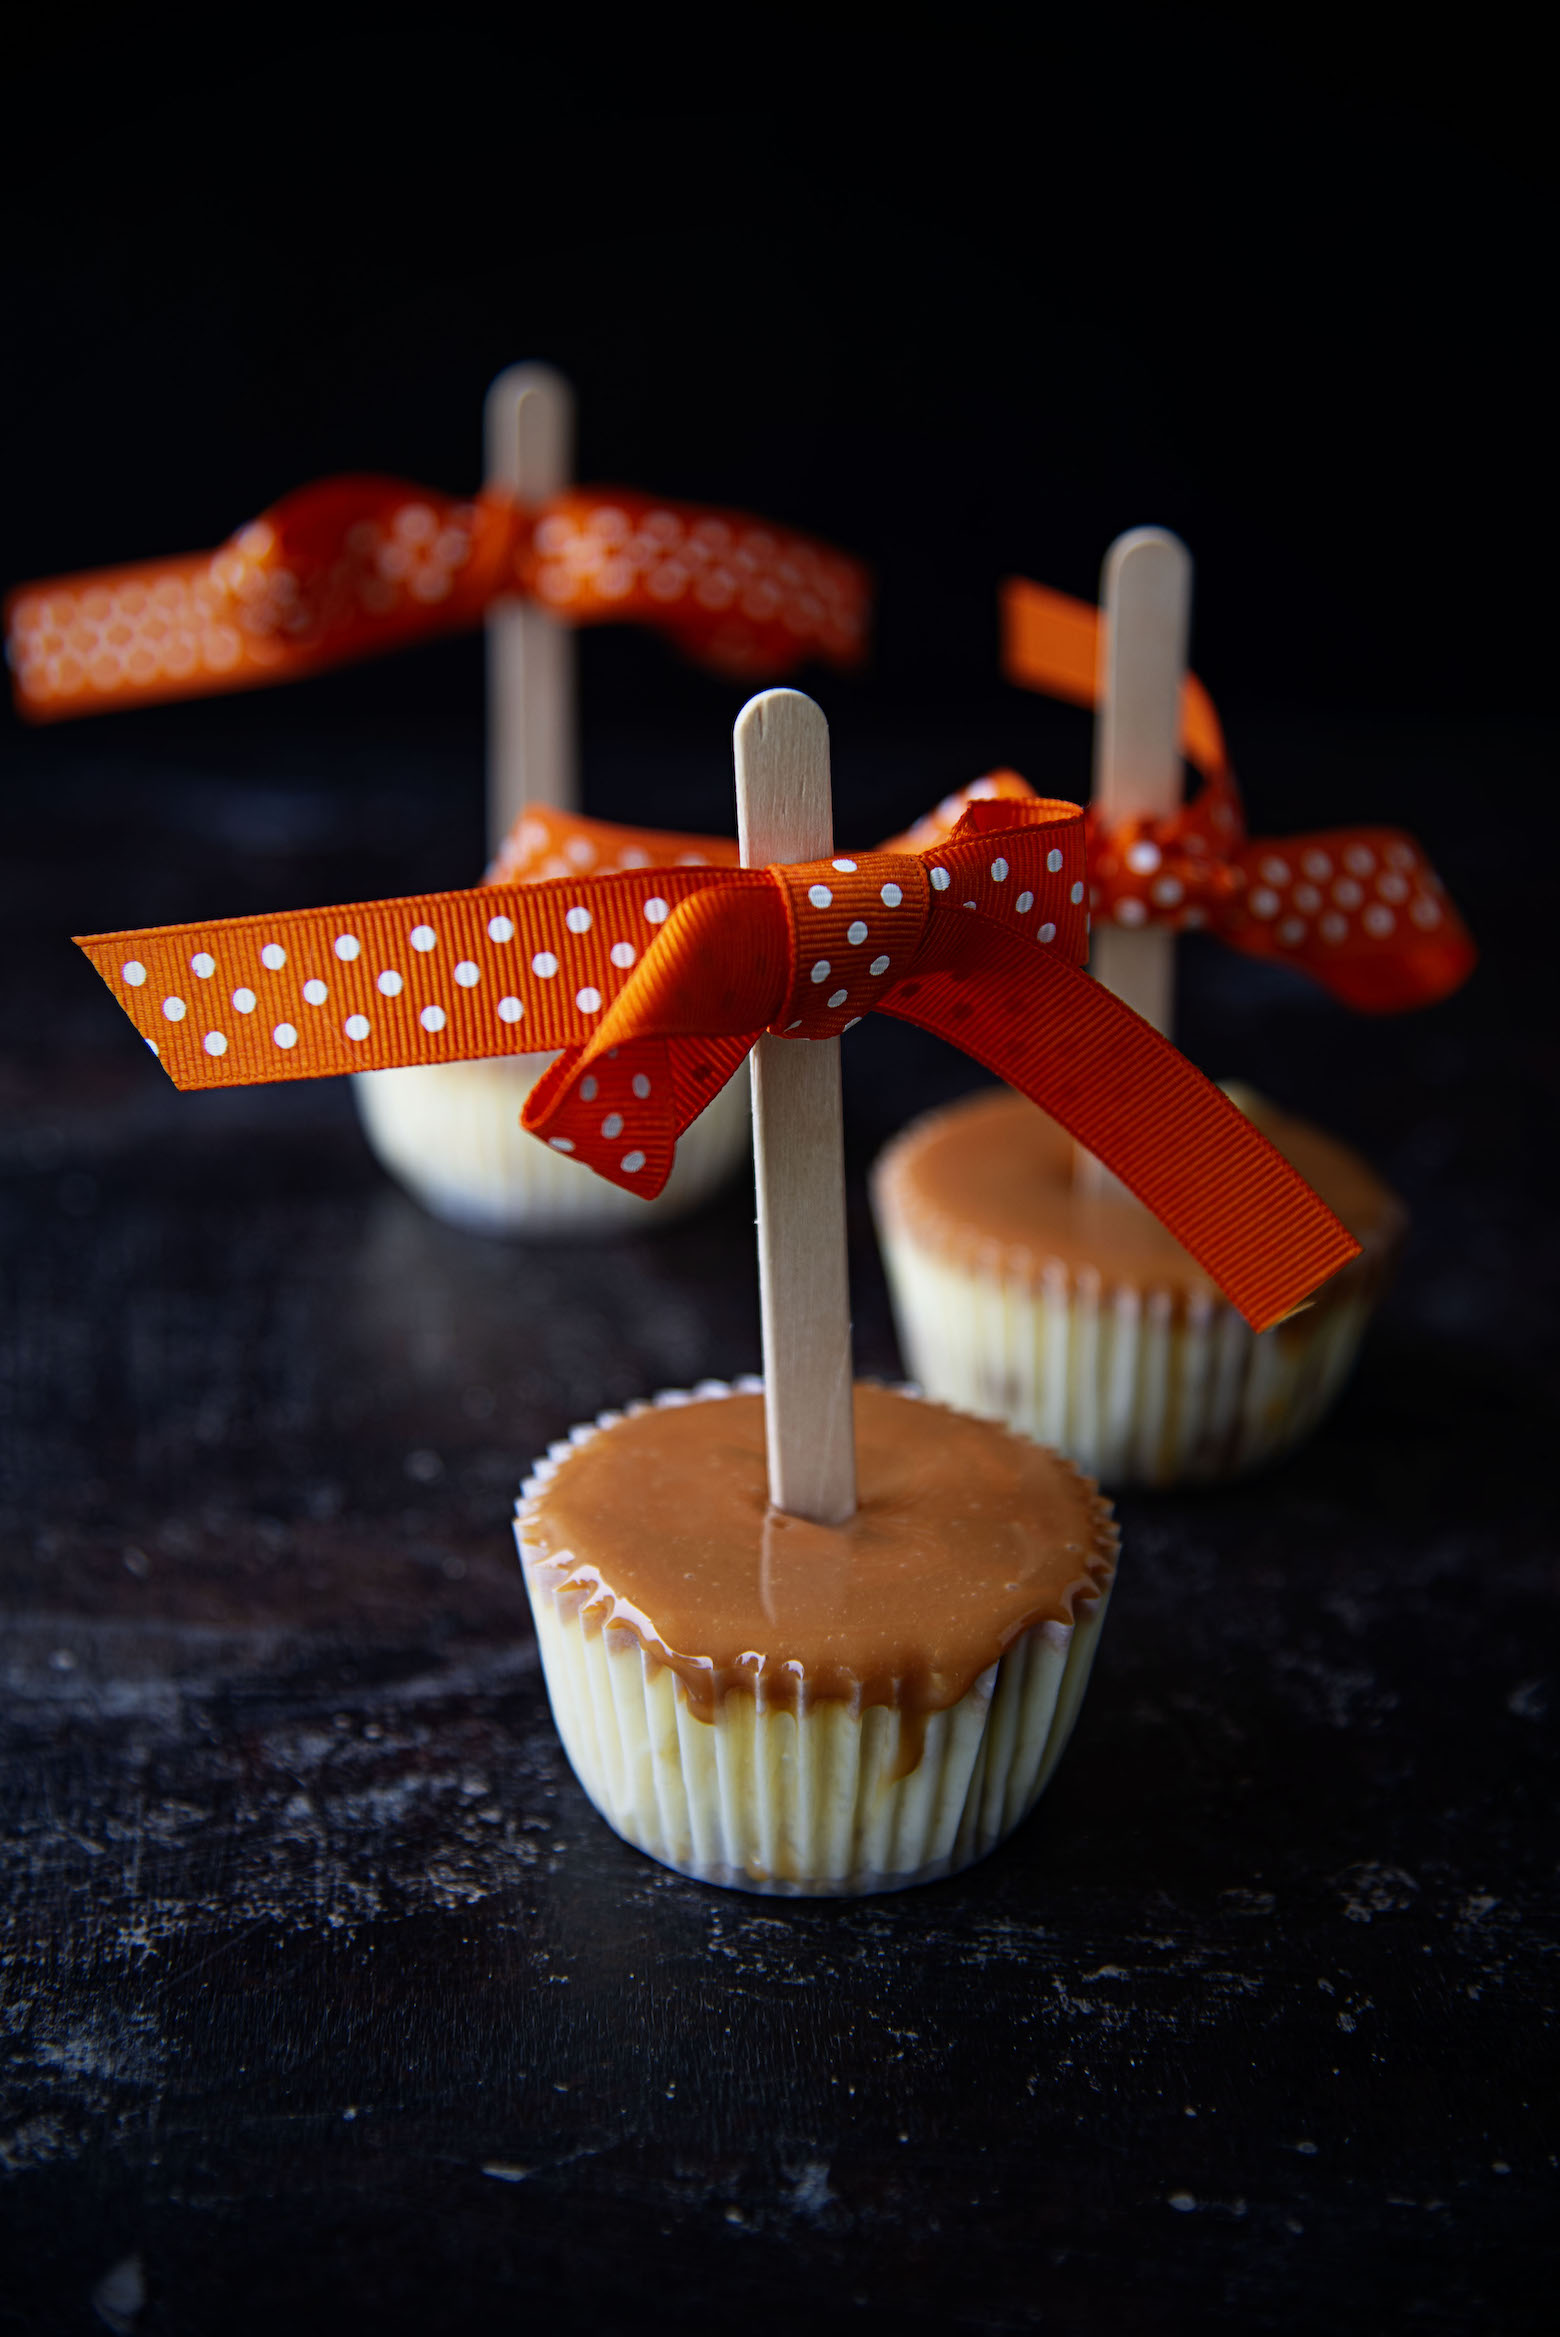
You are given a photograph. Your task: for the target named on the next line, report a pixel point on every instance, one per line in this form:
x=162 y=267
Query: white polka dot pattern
x=1358 y=909
x=435 y=980
x=734 y=586
x=857 y=940
x=1330 y=898
x=349 y=566
x=175 y=628
x=345 y=1003
x=1355 y=908
x=737 y=948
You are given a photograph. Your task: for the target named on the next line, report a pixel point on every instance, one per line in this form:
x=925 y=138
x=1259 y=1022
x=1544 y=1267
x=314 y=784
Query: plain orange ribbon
x=351 y=567
x=1360 y=909
x=651 y=971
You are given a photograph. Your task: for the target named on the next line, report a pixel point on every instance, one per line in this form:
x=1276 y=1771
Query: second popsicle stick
x=533 y=747
x=785 y=813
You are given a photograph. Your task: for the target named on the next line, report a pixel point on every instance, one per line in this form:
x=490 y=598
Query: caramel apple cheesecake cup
x=1027 y=1295
x=451 y=1134
x=777 y=1706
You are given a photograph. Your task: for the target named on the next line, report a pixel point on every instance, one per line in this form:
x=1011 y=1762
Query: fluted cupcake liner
x=801 y=1797
x=1136 y=1385
x=451 y=1134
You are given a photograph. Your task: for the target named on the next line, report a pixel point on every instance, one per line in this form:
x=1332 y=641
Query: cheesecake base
x=770 y=1788
x=450 y=1133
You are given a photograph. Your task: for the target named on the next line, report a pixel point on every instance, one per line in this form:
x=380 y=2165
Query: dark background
x=1278 y=290
x=1252 y=2026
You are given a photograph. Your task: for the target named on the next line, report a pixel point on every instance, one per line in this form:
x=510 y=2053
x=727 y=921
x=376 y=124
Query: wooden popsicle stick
x=533 y=745
x=1146 y=602
x=784 y=813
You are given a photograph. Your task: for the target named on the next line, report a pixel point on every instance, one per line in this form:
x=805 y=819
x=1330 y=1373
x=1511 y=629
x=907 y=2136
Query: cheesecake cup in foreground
x=778 y=1706
x=451 y=1134
x=1074 y=1316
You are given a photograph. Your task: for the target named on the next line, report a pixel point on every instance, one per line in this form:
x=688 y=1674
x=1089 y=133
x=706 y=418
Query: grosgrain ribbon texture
x=1360 y=909
x=352 y=567
x=652 y=980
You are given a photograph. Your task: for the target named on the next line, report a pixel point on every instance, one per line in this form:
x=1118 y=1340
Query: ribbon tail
x=1418 y=972
x=624 y=1117
x=341 y=570
x=1171 y=1136
x=1051 y=643
x=1359 y=909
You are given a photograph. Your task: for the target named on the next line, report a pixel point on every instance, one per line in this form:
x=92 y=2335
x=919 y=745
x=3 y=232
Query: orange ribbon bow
x=352 y=566
x=654 y=978
x=1360 y=909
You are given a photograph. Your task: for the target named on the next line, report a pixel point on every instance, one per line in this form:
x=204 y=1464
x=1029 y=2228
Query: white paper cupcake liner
x=771 y=1799
x=1137 y=1385
x=451 y=1134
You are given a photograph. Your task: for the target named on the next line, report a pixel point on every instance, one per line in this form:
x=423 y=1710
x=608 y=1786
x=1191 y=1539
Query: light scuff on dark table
x=324 y=1992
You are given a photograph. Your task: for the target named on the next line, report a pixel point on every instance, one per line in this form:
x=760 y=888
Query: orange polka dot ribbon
x=650 y=970
x=351 y=567
x=1360 y=909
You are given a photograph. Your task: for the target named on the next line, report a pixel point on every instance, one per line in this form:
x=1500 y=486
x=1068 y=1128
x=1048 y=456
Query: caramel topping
x=966 y=1535
x=992 y=1174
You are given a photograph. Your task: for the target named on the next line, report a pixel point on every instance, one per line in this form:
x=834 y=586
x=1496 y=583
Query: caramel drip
x=990 y=1179
x=966 y=1536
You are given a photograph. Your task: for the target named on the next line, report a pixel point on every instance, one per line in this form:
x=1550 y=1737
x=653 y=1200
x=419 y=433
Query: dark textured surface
x=325 y=1996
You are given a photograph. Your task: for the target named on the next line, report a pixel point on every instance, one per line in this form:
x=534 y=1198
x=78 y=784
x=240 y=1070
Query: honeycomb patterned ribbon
x=651 y=971
x=353 y=566
x=1360 y=909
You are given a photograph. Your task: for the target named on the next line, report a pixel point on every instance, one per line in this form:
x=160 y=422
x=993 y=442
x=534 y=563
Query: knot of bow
x=1360 y=909
x=650 y=971
x=349 y=567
